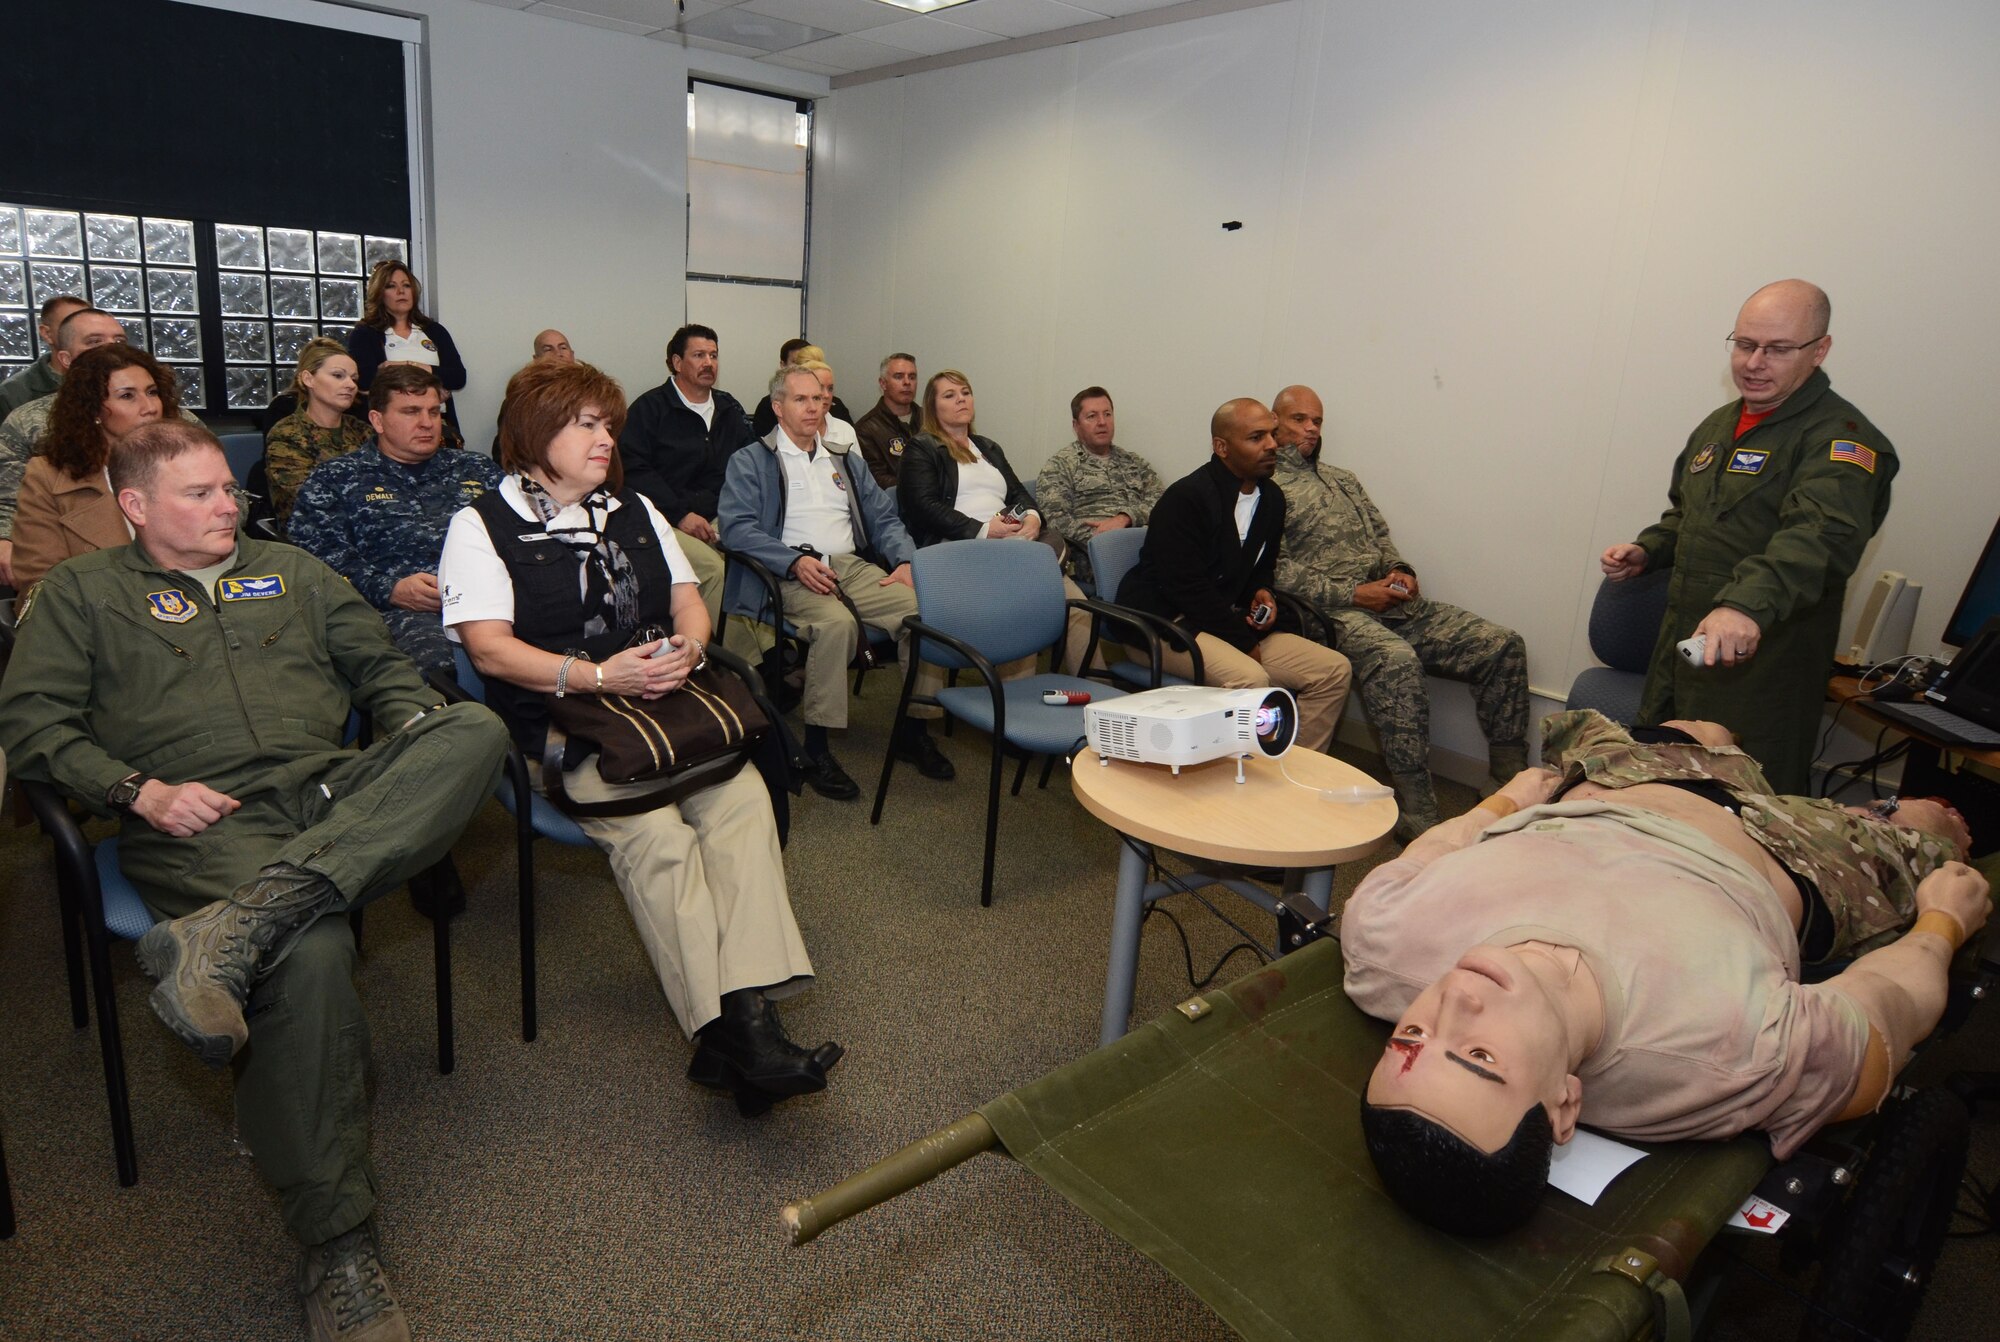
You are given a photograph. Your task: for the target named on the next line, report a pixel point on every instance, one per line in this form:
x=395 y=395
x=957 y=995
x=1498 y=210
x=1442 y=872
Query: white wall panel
x=750 y=321
x=1505 y=242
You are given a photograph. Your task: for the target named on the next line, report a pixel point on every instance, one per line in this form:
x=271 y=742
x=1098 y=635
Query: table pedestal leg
x=1316 y=884
x=1126 y=915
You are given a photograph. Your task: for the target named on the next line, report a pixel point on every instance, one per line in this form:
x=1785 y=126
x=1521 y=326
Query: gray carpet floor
x=579 y=1187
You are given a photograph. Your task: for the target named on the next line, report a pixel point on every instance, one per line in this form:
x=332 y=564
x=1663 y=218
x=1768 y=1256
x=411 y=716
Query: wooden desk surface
x=1841 y=690
x=1263 y=822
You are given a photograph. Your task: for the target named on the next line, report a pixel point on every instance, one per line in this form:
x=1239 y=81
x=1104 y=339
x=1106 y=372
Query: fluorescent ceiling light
x=924 y=6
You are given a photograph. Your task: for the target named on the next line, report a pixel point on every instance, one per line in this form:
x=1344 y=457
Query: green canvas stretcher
x=1223 y=1141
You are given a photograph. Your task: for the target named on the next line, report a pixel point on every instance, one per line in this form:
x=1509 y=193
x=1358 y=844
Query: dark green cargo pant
x=368 y=821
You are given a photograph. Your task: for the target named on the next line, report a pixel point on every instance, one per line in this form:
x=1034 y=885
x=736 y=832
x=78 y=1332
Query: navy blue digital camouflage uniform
x=376 y=521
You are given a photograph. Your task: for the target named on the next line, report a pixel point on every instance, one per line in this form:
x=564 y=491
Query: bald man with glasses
x=1773 y=499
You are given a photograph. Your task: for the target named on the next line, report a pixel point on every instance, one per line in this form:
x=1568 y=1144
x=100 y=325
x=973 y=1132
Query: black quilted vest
x=548 y=600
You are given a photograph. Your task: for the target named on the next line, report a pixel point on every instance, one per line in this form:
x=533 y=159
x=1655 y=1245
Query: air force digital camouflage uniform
x=1336 y=540
x=21 y=438
x=375 y=522
x=1075 y=484
x=1866 y=870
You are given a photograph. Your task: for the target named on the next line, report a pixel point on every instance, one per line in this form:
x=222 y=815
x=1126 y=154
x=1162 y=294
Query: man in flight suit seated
x=677 y=442
x=1618 y=942
x=1338 y=554
x=1773 y=499
x=1209 y=561
x=810 y=511
x=198 y=683
x=378 y=515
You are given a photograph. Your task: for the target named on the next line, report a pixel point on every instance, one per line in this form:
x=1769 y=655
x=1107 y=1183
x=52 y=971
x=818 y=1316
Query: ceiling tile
x=929 y=37
x=594 y=20
x=753 y=30
x=1019 y=18
x=840 y=16
x=708 y=44
x=847 y=54
x=652 y=13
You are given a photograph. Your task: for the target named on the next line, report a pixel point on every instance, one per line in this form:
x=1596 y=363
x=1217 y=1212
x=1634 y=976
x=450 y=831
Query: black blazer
x=1193 y=570
x=368 y=348
x=928 y=484
x=673 y=458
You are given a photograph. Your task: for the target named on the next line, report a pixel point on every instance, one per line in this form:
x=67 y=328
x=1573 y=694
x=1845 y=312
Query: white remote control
x=1694 y=649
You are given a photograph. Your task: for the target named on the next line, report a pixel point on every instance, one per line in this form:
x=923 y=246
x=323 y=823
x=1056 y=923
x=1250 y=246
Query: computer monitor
x=1980 y=601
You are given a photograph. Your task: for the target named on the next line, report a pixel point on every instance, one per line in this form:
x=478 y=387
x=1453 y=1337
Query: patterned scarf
x=611 y=588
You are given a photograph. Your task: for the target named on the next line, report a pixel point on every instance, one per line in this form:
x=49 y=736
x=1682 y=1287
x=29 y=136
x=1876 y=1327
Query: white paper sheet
x=1585 y=1166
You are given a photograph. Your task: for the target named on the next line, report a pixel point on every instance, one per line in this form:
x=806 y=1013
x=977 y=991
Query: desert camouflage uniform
x=20 y=439
x=1075 y=484
x=294 y=446
x=1336 y=540
x=375 y=522
x=1865 y=869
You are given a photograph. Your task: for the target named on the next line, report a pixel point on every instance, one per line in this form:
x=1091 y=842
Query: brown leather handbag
x=695 y=737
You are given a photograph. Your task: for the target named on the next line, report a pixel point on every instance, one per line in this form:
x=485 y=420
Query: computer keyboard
x=1943 y=723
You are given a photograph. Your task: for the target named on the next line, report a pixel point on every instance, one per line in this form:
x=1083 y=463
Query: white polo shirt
x=815 y=498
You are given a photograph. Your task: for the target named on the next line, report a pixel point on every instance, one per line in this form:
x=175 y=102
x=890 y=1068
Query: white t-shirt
x=815 y=499
x=982 y=490
x=474 y=578
x=705 y=409
x=416 y=347
x=1246 y=510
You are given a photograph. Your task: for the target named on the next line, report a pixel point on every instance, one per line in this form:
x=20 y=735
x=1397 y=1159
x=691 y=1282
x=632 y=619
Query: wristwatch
x=124 y=794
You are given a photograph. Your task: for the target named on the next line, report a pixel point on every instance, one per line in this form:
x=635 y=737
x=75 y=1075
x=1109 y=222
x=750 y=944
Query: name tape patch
x=250 y=589
x=1745 y=462
x=171 y=607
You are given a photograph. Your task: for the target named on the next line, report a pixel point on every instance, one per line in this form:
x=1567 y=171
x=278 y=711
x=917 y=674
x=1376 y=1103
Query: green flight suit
x=124 y=666
x=1771 y=524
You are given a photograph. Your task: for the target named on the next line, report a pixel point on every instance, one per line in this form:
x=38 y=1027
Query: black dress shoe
x=746 y=1051
x=827 y=778
x=438 y=892
x=920 y=750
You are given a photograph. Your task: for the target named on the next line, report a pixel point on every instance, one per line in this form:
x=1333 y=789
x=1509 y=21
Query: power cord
x=1160 y=873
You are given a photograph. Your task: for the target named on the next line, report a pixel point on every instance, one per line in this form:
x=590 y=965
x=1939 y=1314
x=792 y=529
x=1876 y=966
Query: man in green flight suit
x=1772 y=501
x=199 y=683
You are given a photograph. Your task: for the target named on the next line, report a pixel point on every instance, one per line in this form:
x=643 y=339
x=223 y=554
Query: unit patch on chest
x=838 y=482
x=1745 y=462
x=895 y=447
x=171 y=607
x=1703 y=459
x=250 y=589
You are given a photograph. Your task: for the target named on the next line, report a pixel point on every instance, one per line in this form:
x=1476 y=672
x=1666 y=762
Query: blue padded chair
x=535 y=816
x=881 y=642
x=1113 y=554
x=979 y=604
x=1624 y=626
x=244 y=450
x=98 y=904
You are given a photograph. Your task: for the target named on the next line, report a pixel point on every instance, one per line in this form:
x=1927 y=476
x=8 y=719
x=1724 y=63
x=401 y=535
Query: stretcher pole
x=893 y=1175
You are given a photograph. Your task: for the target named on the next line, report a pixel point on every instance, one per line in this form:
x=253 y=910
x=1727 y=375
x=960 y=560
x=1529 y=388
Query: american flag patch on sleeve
x=1864 y=457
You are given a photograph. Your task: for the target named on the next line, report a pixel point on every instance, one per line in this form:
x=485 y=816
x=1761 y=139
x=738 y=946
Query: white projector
x=1184 y=725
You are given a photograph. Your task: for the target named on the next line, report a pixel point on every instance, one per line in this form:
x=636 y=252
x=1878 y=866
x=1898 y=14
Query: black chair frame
x=81 y=903
x=519 y=779
x=774 y=595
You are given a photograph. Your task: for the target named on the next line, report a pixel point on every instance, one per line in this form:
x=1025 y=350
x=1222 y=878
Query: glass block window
x=230 y=322
x=278 y=288
x=141 y=270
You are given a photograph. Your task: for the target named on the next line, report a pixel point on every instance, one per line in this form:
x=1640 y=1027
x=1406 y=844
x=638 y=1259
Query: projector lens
x=1277 y=723
x=1268 y=720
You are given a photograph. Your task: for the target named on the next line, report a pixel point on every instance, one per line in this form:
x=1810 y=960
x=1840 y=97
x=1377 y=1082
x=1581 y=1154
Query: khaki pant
x=832 y=637
x=705 y=882
x=706 y=561
x=1316 y=675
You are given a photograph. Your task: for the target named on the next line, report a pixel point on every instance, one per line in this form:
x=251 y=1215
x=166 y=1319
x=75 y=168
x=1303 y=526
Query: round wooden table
x=1264 y=821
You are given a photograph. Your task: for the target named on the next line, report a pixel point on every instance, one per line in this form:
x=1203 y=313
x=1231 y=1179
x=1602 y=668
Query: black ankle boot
x=746 y=1050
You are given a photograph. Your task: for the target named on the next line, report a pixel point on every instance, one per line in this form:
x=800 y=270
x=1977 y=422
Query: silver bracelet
x=701 y=648
x=562 y=675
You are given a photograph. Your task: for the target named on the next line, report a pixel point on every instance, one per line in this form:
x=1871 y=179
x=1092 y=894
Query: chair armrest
x=987 y=671
x=1156 y=630
x=795 y=756
x=73 y=855
x=762 y=572
x=1309 y=616
x=453 y=692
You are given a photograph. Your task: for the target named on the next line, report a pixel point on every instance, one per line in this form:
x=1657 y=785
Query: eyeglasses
x=1774 y=349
